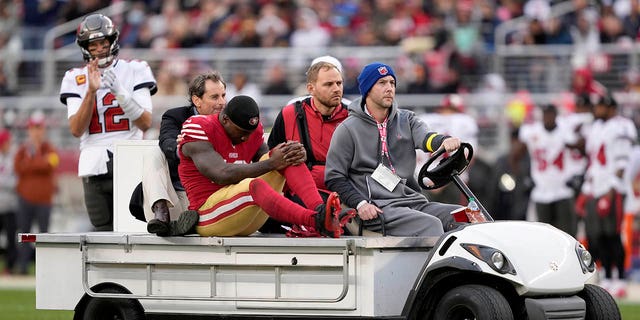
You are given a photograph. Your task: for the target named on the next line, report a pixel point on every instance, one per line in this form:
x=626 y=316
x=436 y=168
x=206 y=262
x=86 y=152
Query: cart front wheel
x=600 y=304
x=473 y=302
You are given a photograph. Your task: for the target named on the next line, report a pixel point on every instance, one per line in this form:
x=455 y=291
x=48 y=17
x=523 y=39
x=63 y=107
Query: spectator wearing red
x=35 y=164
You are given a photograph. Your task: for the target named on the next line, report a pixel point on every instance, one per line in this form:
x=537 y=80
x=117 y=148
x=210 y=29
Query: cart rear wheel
x=113 y=308
x=600 y=304
x=473 y=302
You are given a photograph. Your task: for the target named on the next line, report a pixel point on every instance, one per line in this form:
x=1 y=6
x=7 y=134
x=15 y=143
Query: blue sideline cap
x=370 y=75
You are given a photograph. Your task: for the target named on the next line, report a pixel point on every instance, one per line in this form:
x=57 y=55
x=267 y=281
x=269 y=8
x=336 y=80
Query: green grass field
x=20 y=305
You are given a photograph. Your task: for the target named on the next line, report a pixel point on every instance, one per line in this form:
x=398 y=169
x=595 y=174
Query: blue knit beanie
x=370 y=75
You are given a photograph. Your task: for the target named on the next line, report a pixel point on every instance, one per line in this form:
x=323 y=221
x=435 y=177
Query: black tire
x=113 y=309
x=473 y=301
x=600 y=304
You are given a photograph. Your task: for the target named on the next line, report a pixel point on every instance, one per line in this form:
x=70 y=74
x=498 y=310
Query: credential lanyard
x=384 y=149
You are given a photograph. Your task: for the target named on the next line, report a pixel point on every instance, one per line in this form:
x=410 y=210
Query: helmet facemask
x=97 y=27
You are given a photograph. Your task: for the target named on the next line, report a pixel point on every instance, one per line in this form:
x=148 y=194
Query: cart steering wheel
x=442 y=173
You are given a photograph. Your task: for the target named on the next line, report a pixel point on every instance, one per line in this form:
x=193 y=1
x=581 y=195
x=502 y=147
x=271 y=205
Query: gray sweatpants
x=415 y=218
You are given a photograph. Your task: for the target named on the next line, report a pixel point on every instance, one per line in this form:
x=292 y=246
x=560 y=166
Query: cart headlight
x=585 y=258
x=497 y=259
x=491 y=256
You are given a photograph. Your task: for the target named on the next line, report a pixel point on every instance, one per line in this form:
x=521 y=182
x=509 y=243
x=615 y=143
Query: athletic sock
x=279 y=207
x=300 y=182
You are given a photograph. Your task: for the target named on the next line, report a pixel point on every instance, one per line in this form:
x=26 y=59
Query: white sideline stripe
x=227 y=207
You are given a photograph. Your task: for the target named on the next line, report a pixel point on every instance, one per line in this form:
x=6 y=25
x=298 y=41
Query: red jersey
x=208 y=128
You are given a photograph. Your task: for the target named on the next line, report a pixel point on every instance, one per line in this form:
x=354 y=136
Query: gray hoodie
x=355 y=152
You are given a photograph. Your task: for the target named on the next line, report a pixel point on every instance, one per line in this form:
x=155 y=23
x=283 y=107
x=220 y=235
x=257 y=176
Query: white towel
x=93 y=161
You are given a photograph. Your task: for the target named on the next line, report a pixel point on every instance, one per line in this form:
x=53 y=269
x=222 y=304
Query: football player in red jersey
x=235 y=182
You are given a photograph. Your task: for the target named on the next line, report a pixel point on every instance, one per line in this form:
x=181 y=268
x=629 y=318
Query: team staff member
x=232 y=189
x=311 y=120
x=372 y=158
x=107 y=100
x=332 y=60
x=165 y=201
x=318 y=118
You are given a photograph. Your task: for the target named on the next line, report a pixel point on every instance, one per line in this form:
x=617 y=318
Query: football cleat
x=330 y=217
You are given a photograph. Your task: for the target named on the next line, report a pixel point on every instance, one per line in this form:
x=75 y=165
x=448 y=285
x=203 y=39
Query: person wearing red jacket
x=312 y=121
x=34 y=164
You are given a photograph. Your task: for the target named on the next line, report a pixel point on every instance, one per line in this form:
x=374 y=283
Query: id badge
x=385 y=177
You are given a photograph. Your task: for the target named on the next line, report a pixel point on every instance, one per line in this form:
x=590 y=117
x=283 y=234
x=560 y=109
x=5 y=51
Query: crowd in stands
x=446 y=37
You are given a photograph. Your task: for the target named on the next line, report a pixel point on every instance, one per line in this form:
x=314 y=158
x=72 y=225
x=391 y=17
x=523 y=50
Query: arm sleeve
x=73 y=105
x=144 y=87
x=71 y=92
x=142 y=97
x=195 y=129
x=145 y=78
x=432 y=141
x=339 y=159
x=523 y=133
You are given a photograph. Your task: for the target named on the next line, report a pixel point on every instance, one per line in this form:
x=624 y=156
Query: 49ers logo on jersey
x=81 y=79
